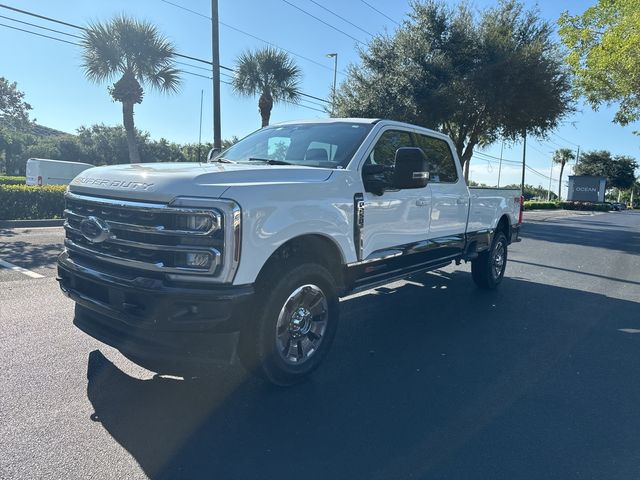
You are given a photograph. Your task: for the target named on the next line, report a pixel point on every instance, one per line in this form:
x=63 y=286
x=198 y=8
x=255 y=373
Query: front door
x=396 y=219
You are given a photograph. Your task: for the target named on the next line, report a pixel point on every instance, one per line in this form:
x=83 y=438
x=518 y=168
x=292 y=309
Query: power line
x=40 y=26
x=326 y=67
x=322 y=21
x=255 y=37
x=39 y=34
x=381 y=13
x=340 y=17
x=187 y=9
x=564 y=139
x=497 y=158
x=60 y=22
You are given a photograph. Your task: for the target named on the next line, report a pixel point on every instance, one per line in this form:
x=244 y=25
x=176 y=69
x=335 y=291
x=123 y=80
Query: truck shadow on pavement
x=431 y=379
x=30 y=255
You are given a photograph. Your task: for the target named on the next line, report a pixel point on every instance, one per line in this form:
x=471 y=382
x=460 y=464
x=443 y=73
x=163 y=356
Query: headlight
x=196 y=223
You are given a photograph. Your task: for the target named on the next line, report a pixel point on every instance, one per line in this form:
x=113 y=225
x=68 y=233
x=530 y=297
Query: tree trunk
x=265 y=104
x=129 y=127
x=560 y=182
x=465 y=159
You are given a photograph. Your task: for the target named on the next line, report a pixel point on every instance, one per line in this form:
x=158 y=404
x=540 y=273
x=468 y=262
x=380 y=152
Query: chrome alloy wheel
x=301 y=324
x=498 y=260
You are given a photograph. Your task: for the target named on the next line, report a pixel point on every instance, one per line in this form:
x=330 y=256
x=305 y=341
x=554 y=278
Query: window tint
x=384 y=153
x=442 y=167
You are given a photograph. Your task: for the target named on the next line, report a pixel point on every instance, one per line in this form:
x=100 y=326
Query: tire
x=295 y=323
x=488 y=269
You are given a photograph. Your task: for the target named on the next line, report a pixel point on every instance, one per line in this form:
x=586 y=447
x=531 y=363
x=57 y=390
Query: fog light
x=195 y=223
x=193 y=259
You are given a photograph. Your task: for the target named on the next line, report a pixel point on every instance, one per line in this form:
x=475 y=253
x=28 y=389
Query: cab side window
x=384 y=152
x=442 y=166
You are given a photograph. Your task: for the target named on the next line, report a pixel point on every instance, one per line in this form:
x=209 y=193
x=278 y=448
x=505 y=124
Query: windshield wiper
x=222 y=160
x=270 y=161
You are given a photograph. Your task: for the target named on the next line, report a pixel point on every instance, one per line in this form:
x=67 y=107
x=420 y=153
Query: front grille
x=153 y=237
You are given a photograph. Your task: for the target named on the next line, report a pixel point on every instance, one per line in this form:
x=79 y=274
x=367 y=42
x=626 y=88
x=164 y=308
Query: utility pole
x=500 y=166
x=335 y=72
x=550 y=177
x=200 y=133
x=215 y=60
x=524 y=159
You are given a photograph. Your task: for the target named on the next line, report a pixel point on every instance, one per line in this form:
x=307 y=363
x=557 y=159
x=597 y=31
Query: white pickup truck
x=181 y=265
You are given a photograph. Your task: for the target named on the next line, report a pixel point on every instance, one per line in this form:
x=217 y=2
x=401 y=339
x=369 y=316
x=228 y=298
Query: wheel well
x=504 y=227
x=316 y=248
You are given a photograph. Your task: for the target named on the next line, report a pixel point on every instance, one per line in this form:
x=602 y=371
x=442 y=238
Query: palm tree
x=136 y=53
x=270 y=73
x=562 y=157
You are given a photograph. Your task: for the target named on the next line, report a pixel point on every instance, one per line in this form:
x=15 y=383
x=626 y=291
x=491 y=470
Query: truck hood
x=162 y=182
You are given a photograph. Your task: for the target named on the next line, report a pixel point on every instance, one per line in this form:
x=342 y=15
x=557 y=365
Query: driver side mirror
x=213 y=153
x=411 y=169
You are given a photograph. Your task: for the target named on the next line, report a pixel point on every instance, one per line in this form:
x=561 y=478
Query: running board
x=398 y=276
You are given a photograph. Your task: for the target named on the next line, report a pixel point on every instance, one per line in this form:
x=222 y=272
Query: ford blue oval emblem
x=94 y=230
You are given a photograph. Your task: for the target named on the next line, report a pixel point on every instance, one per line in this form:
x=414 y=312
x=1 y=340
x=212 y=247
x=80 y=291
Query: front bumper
x=166 y=328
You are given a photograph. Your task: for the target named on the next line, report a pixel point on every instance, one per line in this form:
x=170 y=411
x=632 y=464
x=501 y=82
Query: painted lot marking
x=16 y=268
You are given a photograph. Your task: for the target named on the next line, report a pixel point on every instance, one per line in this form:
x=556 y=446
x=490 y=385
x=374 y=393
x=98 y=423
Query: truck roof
x=366 y=121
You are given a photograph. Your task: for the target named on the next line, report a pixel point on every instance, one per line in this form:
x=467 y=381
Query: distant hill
x=40 y=130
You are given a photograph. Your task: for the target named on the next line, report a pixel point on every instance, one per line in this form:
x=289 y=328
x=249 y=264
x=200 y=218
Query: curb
x=48 y=222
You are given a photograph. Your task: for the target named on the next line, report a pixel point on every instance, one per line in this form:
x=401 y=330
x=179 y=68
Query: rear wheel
x=296 y=321
x=488 y=269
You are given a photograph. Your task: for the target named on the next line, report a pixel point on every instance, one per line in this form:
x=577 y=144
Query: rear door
x=449 y=194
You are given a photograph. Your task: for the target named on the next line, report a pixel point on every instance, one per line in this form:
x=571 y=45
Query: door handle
x=422 y=202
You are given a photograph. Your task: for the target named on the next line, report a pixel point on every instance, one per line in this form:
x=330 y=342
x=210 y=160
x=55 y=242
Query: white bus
x=41 y=171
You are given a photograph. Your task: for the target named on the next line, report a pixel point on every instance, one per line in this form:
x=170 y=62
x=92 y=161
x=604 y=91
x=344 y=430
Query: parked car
x=178 y=265
x=41 y=171
x=618 y=206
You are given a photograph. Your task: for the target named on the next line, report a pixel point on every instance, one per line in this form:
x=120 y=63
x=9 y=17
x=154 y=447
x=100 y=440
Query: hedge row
x=535 y=205
x=22 y=202
x=7 y=180
x=586 y=206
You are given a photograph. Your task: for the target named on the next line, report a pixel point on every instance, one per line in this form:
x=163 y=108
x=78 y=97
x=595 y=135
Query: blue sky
x=50 y=75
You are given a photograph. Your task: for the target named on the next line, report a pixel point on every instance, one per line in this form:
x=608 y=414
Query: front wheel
x=296 y=322
x=488 y=269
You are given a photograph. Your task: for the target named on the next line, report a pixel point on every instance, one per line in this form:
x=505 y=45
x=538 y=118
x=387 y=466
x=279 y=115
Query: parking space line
x=16 y=268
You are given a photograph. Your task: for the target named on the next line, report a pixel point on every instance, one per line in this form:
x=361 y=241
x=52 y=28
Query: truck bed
x=488 y=205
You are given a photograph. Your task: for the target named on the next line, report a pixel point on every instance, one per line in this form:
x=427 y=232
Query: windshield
x=326 y=145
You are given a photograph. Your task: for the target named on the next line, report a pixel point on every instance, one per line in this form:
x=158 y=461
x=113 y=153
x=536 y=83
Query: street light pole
x=550 y=177
x=335 y=73
x=524 y=159
x=215 y=60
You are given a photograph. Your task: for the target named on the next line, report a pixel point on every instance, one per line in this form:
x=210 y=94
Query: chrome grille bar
x=164 y=251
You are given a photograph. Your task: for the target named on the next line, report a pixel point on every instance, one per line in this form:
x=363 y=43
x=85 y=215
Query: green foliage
x=619 y=170
x=531 y=192
x=477 y=78
x=99 y=145
x=586 y=206
x=269 y=73
x=14 y=111
x=562 y=157
x=604 y=43
x=11 y=180
x=533 y=205
x=22 y=202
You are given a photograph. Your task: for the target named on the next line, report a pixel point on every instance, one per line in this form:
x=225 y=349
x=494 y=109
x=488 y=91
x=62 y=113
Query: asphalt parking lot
x=428 y=378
